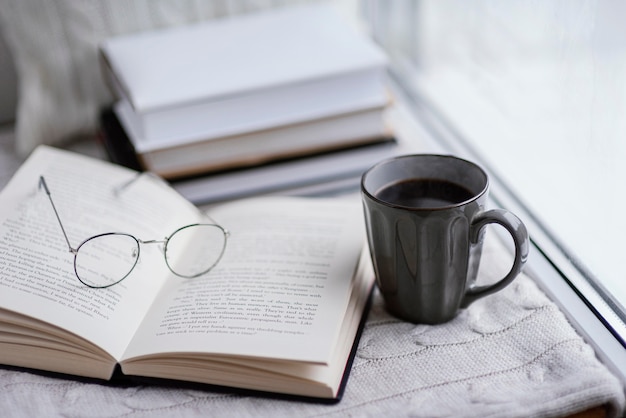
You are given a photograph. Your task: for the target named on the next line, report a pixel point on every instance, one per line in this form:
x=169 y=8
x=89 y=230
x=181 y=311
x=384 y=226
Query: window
x=536 y=91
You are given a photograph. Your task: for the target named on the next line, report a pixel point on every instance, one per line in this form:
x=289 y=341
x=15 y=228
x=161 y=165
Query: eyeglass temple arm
x=42 y=183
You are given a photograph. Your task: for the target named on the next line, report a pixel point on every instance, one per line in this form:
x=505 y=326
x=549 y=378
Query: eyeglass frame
x=164 y=241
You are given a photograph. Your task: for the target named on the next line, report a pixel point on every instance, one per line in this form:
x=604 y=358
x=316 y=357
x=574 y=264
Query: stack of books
x=242 y=92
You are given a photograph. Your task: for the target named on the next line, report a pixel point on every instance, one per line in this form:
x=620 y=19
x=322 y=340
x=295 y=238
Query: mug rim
x=475 y=196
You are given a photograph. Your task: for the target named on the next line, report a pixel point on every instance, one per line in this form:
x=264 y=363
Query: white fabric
x=54 y=45
x=512 y=354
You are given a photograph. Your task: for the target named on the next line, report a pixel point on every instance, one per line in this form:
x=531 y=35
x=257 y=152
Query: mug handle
x=520 y=238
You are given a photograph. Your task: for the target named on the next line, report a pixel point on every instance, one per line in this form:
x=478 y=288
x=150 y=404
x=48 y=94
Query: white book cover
x=252 y=71
x=231 y=56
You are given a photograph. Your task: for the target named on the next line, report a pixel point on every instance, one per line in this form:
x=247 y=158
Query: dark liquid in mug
x=424 y=193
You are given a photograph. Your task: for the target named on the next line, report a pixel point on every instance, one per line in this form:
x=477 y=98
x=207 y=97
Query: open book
x=279 y=313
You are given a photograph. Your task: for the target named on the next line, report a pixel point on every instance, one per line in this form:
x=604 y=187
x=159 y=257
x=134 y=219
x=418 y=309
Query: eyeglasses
x=106 y=259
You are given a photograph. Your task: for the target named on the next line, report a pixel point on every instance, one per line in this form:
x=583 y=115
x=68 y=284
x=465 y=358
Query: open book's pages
x=279 y=313
x=245 y=73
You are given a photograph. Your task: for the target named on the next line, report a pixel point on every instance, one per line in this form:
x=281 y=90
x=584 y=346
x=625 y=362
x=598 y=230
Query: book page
x=36 y=267
x=280 y=292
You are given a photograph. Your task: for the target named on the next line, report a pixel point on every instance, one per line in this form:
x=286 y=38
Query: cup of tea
x=425 y=217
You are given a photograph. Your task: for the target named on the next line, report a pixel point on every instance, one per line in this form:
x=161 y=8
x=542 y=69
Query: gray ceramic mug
x=425 y=217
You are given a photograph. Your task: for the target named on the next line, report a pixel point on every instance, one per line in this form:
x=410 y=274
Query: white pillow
x=54 y=44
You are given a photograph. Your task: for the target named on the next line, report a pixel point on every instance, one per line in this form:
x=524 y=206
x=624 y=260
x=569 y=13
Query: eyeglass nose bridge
x=163 y=242
x=153 y=241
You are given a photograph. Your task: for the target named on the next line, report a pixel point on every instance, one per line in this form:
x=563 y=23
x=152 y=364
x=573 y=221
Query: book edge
x=119 y=379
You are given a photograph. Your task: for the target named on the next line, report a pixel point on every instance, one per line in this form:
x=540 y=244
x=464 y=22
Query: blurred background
x=8 y=84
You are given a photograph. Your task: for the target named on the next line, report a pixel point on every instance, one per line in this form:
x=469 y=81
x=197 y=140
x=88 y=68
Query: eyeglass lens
x=107 y=259
x=194 y=249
